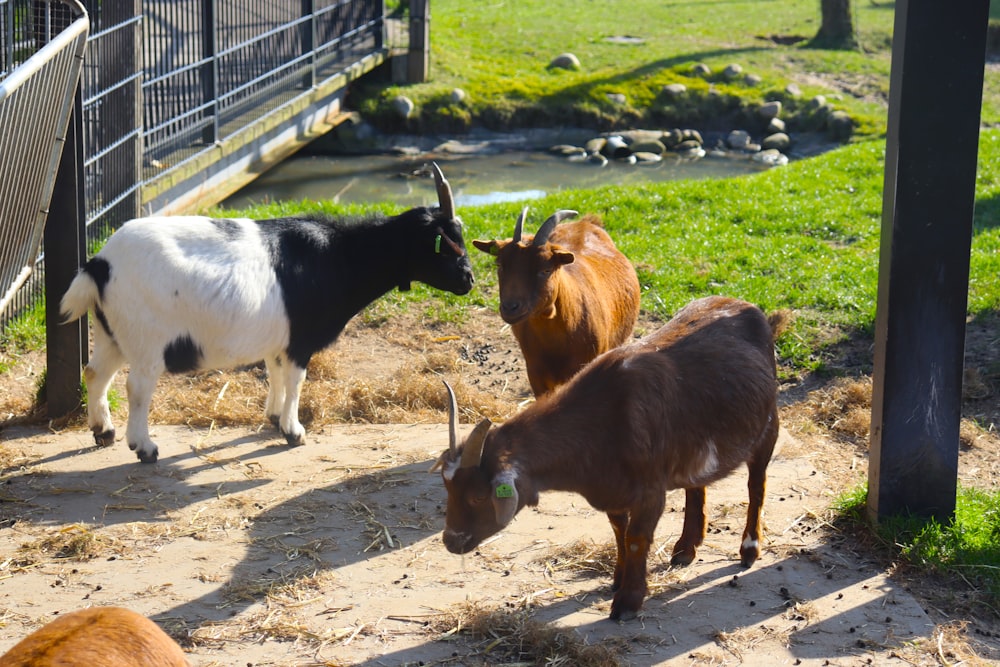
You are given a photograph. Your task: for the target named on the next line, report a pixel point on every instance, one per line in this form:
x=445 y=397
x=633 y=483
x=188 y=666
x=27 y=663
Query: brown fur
x=681 y=408
x=567 y=300
x=97 y=637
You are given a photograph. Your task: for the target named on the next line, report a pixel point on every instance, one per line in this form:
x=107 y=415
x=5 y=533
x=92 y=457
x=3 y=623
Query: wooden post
x=936 y=81
x=65 y=231
x=418 y=57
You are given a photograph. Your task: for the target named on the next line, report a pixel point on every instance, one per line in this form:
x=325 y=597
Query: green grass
x=804 y=237
x=967 y=548
x=501 y=62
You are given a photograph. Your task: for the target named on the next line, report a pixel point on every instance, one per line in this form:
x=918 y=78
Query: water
x=475 y=179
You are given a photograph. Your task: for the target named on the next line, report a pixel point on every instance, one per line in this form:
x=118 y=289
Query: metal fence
x=166 y=82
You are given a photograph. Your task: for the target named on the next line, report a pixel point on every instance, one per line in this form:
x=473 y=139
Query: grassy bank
x=499 y=57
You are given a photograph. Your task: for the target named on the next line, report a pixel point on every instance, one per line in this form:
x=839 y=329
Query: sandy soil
x=253 y=553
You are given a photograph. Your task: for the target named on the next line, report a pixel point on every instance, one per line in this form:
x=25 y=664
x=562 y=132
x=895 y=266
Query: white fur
x=184 y=276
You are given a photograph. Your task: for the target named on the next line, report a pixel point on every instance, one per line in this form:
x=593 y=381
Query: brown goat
x=679 y=408
x=567 y=293
x=97 y=637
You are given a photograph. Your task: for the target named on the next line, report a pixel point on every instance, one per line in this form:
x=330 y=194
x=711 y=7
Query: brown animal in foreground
x=568 y=294
x=97 y=637
x=680 y=408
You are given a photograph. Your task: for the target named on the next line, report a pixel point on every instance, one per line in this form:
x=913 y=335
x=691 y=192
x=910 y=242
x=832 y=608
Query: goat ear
x=489 y=247
x=563 y=257
x=505 y=499
x=472 y=453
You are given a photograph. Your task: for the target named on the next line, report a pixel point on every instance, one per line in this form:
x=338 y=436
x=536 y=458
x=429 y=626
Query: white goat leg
x=140 y=385
x=275 y=389
x=105 y=361
x=294 y=377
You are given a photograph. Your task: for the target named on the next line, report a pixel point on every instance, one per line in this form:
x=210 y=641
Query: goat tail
x=779 y=321
x=81 y=296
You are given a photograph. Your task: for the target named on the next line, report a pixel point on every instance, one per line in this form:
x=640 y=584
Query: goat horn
x=452 y=420
x=473 y=452
x=549 y=225
x=445 y=201
x=519 y=227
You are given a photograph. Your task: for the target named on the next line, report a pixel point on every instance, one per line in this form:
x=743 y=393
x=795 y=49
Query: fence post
x=65 y=250
x=418 y=57
x=923 y=276
x=210 y=71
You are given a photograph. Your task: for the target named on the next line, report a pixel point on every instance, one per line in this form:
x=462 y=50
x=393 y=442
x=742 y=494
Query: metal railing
x=36 y=99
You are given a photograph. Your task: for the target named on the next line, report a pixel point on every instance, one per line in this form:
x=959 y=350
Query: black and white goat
x=679 y=408
x=179 y=294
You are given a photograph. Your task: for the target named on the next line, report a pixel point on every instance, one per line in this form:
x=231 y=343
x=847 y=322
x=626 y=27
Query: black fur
x=182 y=355
x=330 y=269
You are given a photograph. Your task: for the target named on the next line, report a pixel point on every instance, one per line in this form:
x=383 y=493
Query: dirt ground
x=252 y=553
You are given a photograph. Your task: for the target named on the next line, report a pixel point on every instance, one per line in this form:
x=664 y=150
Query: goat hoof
x=294 y=440
x=147 y=457
x=275 y=421
x=104 y=438
x=681 y=559
x=626 y=605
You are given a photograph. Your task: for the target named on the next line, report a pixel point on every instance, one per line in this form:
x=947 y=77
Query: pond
x=479 y=173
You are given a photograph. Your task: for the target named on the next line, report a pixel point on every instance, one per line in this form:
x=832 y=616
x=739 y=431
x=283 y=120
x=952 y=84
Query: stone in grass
x=565 y=61
x=778 y=141
x=701 y=69
x=674 y=90
x=770 y=110
x=403 y=105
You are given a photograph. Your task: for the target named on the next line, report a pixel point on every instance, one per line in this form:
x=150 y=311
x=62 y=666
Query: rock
x=626 y=159
x=597 y=159
x=778 y=141
x=642 y=157
x=839 y=126
x=648 y=146
x=675 y=90
x=752 y=80
x=738 y=140
x=770 y=157
x=616 y=148
x=687 y=146
x=770 y=110
x=567 y=150
x=565 y=61
x=692 y=135
x=596 y=145
x=457 y=96
x=403 y=105
x=793 y=90
x=732 y=71
x=816 y=103
x=701 y=69
x=776 y=125
x=671 y=138
x=636 y=136
x=693 y=152
x=617 y=98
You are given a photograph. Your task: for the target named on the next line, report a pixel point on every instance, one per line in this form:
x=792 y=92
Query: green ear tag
x=505 y=491
x=437 y=244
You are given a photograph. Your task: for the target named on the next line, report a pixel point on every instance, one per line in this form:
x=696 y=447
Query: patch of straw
x=75 y=542
x=506 y=636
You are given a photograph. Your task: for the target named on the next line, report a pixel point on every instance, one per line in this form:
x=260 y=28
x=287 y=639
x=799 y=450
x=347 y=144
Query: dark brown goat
x=680 y=408
x=567 y=293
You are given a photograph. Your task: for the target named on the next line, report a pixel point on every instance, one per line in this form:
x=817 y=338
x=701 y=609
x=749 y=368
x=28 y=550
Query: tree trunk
x=837 y=28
